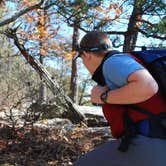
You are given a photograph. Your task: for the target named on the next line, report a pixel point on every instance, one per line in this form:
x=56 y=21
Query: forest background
x=50 y=30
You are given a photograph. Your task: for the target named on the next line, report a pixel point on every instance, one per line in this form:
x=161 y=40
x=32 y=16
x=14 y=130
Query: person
x=122 y=81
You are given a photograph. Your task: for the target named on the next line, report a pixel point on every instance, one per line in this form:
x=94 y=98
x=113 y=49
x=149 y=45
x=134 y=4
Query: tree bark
x=73 y=113
x=74 y=76
x=132 y=30
x=42 y=88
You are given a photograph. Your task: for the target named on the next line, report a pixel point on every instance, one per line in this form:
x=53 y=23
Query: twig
x=22 y=12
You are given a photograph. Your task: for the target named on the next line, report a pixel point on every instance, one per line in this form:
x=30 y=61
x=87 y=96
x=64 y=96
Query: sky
x=67 y=31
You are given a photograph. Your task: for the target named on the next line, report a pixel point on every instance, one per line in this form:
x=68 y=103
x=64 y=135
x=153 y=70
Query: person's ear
x=86 y=55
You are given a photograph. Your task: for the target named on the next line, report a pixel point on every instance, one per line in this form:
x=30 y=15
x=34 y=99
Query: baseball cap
x=80 y=49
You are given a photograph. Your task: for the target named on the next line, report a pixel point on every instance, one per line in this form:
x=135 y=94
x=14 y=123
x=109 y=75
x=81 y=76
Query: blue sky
x=67 y=31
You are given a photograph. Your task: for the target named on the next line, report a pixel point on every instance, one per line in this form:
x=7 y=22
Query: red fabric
x=114 y=113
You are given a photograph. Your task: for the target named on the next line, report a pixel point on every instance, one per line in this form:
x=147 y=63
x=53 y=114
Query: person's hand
x=96 y=93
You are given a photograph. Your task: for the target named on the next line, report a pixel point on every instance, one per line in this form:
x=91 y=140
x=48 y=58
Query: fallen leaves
x=37 y=146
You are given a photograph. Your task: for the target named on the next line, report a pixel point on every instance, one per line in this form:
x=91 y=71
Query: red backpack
x=124 y=120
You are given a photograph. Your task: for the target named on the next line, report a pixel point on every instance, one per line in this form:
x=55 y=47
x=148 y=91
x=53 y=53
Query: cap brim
x=77 y=56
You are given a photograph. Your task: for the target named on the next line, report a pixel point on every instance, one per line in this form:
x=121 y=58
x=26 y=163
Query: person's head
x=92 y=49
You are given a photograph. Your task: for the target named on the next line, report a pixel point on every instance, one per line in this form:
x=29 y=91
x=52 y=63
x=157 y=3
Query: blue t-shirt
x=118 y=68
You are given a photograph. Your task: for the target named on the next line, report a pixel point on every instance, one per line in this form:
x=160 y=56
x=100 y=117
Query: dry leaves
x=37 y=146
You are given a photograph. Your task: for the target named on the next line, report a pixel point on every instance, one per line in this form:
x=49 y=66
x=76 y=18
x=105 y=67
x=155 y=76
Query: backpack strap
x=157 y=124
x=139 y=109
x=136 y=58
x=130 y=132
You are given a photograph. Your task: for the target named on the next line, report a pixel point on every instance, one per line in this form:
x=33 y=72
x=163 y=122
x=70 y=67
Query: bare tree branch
x=152 y=35
x=115 y=32
x=47 y=6
x=22 y=12
x=73 y=113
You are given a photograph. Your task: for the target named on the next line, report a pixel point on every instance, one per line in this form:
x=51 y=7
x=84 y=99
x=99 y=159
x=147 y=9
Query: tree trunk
x=42 y=88
x=132 y=30
x=73 y=83
x=73 y=113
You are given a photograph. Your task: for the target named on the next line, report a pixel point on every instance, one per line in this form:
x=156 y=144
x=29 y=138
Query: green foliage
x=154 y=29
x=161 y=26
x=156 y=7
x=154 y=23
x=87 y=15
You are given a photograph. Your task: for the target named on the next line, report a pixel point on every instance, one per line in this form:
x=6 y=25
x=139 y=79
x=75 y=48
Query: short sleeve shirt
x=118 y=68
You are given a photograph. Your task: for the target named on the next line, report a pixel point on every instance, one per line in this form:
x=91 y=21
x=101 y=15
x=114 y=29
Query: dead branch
x=22 y=12
x=73 y=114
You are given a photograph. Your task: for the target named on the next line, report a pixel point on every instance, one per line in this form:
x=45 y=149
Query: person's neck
x=96 y=63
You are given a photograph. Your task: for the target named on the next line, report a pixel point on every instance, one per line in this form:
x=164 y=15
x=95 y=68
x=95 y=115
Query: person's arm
x=141 y=86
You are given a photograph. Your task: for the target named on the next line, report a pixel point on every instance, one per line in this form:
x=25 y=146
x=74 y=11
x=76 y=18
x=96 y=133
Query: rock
x=105 y=131
x=94 y=116
x=91 y=110
x=55 y=123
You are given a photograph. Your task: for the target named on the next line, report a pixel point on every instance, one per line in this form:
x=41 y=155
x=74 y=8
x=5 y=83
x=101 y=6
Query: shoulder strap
x=139 y=109
x=136 y=58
